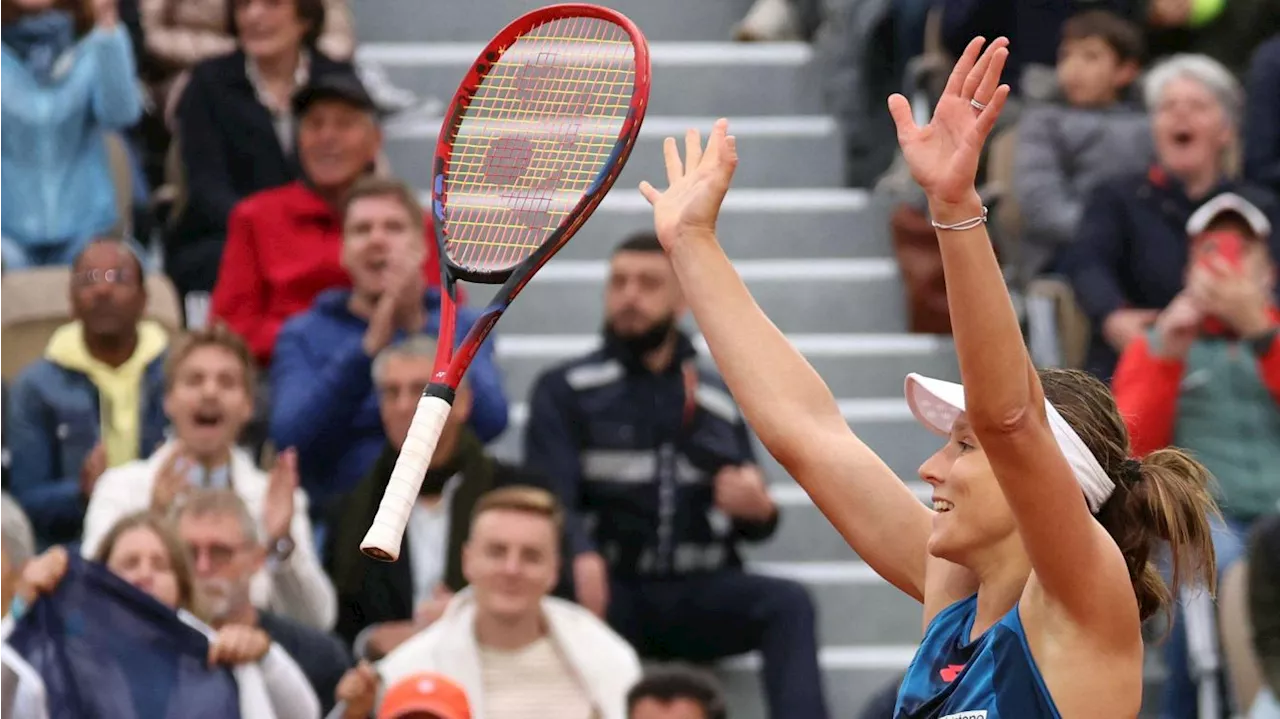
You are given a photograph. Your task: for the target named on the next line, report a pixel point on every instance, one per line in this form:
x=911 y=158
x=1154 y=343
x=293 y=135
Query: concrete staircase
x=816 y=256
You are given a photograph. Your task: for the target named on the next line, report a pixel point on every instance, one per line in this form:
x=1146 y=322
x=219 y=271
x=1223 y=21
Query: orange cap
x=425 y=692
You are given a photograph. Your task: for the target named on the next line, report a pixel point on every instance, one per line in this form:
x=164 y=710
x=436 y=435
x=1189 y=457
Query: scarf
x=40 y=40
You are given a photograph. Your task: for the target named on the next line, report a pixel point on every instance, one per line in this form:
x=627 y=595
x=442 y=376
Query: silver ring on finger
x=977 y=105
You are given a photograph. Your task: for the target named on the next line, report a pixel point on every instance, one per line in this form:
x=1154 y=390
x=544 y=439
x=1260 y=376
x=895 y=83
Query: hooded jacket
x=67 y=401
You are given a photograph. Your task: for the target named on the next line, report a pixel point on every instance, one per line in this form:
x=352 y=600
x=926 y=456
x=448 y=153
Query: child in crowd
x=1089 y=132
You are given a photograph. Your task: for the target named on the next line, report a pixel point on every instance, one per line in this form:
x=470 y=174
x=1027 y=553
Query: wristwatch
x=279 y=550
x=1261 y=344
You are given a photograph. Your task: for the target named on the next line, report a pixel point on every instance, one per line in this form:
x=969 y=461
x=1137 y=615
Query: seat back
x=35 y=303
x=1244 y=673
x=1005 y=219
x=1061 y=324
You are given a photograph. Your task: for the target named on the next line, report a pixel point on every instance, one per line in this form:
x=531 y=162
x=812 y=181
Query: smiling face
x=337 y=143
x=511 y=562
x=269 y=28
x=970 y=510
x=140 y=557
x=1191 y=129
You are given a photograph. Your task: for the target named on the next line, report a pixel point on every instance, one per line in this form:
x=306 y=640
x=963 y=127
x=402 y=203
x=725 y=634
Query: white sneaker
x=768 y=21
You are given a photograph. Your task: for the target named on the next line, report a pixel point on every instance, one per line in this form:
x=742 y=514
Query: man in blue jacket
x=94 y=401
x=656 y=470
x=323 y=400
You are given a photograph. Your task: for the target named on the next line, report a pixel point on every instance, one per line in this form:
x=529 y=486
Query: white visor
x=937 y=403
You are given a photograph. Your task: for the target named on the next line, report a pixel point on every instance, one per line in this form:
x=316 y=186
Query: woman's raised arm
x=1004 y=401
x=782 y=397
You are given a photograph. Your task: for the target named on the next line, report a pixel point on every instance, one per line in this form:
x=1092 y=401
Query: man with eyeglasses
x=226 y=551
x=94 y=401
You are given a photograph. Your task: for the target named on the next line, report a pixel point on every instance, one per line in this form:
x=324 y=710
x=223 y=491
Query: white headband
x=937 y=403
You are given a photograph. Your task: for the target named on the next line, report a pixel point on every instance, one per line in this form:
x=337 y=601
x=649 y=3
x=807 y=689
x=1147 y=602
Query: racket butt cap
x=381 y=544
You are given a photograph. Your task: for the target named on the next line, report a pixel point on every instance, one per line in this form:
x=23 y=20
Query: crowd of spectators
x=221 y=162
x=225 y=464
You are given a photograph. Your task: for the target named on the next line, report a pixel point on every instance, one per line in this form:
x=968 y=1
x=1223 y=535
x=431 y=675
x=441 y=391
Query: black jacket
x=1131 y=248
x=633 y=456
x=229 y=149
x=370 y=591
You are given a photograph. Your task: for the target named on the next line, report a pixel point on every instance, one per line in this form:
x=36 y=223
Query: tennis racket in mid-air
x=536 y=135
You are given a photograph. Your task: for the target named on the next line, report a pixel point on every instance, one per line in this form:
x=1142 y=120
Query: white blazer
x=296 y=588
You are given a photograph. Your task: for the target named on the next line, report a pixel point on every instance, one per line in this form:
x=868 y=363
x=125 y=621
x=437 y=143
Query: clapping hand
x=278 y=509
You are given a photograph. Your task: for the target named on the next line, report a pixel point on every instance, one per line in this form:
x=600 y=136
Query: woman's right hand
x=43 y=574
x=696 y=187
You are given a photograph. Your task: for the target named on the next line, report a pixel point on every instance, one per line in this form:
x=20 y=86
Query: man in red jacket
x=284 y=245
x=1206 y=377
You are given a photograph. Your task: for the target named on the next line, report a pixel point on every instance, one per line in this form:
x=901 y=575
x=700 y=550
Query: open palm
x=696 y=186
x=943 y=155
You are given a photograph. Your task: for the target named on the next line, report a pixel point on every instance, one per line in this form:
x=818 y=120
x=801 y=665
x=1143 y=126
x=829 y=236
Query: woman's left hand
x=943 y=155
x=238 y=644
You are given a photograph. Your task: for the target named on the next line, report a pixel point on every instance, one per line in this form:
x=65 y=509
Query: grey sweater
x=1062 y=153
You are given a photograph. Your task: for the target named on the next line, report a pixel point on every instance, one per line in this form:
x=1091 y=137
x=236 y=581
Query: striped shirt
x=532 y=682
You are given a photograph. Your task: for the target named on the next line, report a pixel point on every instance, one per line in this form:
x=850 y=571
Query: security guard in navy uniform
x=654 y=462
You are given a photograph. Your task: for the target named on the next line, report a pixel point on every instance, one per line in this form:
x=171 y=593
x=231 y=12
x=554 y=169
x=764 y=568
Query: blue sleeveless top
x=992 y=677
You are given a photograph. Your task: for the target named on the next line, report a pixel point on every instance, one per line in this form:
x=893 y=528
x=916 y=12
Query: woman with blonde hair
x=143 y=550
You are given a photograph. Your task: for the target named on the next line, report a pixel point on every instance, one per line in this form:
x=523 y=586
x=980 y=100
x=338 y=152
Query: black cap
x=343 y=86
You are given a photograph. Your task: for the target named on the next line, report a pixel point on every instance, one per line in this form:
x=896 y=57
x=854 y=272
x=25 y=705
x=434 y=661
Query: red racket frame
x=448 y=370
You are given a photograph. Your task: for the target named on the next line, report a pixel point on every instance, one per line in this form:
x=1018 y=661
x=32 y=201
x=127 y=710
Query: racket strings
x=541 y=125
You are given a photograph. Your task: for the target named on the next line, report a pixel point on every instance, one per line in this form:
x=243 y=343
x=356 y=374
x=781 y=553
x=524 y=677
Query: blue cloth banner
x=107 y=650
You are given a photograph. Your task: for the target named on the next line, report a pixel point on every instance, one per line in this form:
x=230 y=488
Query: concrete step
x=853 y=365
x=805 y=535
x=855 y=606
x=689 y=78
x=886 y=425
x=439 y=21
x=782 y=151
x=800 y=296
x=798 y=223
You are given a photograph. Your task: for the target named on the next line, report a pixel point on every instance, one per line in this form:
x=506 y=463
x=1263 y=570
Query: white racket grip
x=383 y=538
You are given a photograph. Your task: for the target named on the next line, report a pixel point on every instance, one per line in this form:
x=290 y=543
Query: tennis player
x=1034 y=564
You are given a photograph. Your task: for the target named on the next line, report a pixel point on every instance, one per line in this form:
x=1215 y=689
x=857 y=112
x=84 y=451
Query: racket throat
x=441 y=390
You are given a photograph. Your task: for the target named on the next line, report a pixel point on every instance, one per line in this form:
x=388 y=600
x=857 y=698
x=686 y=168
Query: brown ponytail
x=1167 y=500
x=1163 y=500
